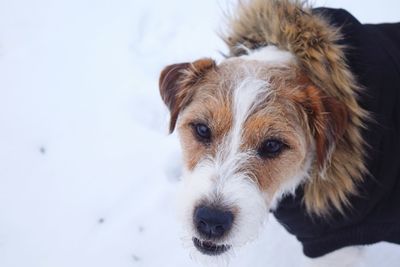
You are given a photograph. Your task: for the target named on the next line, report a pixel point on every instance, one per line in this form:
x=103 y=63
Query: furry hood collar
x=291 y=25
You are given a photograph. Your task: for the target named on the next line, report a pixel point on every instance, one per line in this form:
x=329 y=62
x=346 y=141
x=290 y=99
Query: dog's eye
x=271 y=148
x=202 y=132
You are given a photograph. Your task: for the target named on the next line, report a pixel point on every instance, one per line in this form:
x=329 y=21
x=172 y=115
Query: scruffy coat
x=354 y=198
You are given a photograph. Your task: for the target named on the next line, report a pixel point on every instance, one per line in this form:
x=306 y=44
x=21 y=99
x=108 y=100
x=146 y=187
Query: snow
x=88 y=174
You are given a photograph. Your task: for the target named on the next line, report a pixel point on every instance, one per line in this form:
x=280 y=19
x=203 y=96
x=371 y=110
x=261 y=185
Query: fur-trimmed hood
x=341 y=56
x=292 y=26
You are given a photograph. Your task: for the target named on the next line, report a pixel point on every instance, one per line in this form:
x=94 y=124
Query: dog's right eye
x=202 y=132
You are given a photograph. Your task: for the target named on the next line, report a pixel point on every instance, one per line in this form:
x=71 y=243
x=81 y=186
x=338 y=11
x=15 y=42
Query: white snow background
x=88 y=173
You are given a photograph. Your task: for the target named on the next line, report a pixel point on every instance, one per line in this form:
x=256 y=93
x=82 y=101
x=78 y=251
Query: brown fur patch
x=216 y=113
x=176 y=83
x=211 y=105
x=328 y=119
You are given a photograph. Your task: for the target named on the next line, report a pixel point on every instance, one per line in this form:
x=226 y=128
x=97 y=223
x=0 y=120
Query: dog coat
x=373 y=54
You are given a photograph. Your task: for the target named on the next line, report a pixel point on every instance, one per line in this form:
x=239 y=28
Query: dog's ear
x=328 y=119
x=176 y=85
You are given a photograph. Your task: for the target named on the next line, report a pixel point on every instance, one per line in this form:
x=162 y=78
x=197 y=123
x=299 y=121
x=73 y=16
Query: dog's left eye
x=202 y=132
x=271 y=148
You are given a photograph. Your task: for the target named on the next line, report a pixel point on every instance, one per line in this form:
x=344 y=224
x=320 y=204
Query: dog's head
x=251 y=128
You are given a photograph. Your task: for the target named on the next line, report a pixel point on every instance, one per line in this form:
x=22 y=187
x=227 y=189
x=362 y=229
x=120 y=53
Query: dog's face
x=248 y=134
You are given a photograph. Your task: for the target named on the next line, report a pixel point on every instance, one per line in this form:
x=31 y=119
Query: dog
x=301 y=120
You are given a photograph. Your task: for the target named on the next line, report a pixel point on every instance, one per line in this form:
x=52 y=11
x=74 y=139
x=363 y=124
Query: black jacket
x=374 y=58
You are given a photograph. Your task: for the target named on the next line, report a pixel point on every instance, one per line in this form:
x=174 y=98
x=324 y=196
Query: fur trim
x=290 y=25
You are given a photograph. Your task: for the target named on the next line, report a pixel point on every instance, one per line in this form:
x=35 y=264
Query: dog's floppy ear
x=328 y=119
x=176 y=84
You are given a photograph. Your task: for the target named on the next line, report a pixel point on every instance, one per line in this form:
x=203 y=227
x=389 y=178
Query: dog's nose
x=212 y=222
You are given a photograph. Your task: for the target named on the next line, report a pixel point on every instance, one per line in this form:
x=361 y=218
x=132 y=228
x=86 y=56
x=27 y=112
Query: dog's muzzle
x=211 y=224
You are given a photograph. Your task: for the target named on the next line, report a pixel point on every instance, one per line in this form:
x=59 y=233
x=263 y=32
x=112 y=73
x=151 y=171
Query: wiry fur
x=291 y=26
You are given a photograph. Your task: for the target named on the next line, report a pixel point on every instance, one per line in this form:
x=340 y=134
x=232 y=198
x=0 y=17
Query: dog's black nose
x=212 y=222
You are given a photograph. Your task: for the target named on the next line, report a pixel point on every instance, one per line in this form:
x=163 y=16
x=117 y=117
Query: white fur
x=238 y=188
x=212 y=181
x=195 y=186
x=246 y=96
x=271 y=54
